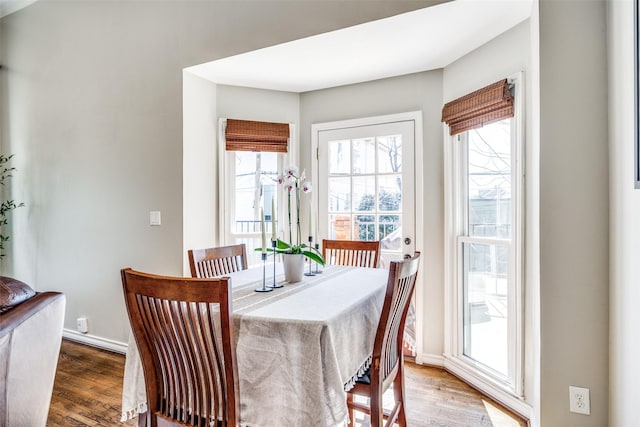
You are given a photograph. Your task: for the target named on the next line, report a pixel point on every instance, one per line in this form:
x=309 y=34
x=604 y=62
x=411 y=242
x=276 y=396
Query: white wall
x=574 y=210
x=258 y=104
x=624 y=316
x=92 y=108
x=414 y=92
x=199 y=153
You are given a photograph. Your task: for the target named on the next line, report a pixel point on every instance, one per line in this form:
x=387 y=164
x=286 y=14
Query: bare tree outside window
x=389 y=200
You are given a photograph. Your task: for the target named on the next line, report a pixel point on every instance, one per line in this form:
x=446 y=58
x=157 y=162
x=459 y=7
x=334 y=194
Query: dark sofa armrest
x=14 y=317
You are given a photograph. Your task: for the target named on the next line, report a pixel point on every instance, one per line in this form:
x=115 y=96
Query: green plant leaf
x=314 y=256
x=283 y=245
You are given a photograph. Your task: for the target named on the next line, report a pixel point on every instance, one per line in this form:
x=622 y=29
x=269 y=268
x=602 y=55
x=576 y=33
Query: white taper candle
x=310 y=219
x=264 y=234
x=274 y=235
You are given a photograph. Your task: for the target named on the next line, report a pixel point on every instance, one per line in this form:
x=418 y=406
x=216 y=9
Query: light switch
x=154 y=218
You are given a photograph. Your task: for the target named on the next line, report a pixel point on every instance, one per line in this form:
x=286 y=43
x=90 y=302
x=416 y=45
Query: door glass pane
x=340 y=227
x=390 y=231
x=340 y=194
x=364 y=160
x=364 y=193
x=390 y=154
x=390 y=193
x=365 y=227
x=489 y=180
x=339 y=157
x=485 y=305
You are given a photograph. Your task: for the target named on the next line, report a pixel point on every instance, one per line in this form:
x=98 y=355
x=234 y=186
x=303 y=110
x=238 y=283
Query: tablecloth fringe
x=131 y=413
x=352 y=381
x=411 y=346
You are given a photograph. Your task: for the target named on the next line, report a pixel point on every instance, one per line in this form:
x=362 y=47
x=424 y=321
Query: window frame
x=226 y=195
x=510 y=392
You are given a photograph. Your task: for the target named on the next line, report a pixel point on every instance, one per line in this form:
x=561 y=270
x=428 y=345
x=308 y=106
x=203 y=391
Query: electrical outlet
x=81 y=325
x=155 y=218
x=579 y=400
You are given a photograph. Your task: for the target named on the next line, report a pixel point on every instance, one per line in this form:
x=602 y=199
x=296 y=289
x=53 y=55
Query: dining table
x=299 y=347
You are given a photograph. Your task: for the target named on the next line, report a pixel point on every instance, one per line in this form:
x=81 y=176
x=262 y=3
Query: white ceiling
x=10 y=6
x=425 y=39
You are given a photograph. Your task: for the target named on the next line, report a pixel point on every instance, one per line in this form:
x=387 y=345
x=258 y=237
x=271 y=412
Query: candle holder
x=318 y=270
x=264 y=287
x=310 y=273
x=275 y=285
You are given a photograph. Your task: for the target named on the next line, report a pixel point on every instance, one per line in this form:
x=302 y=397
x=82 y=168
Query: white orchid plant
x=294 y=183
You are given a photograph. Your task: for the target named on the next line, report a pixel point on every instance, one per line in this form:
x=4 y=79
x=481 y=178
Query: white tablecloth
x=298 y=347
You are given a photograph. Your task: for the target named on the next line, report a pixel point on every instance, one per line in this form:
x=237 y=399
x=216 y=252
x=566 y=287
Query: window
x=249 y=171
x=485 y=251
x=486 y=245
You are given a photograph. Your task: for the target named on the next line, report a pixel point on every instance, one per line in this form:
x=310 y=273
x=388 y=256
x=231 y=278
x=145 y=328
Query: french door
x=366 y=187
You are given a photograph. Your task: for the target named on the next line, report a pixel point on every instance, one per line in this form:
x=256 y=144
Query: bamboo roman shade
x=476 y=109
x=247 y=135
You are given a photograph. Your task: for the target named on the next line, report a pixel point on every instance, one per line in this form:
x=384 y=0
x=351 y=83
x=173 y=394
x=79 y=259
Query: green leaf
x=283 y=245
x=260 y=250
x=314 y=256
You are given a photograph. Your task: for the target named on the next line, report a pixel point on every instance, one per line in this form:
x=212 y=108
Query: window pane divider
x=485 y=240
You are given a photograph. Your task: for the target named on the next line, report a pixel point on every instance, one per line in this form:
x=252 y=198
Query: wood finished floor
x=88 y=389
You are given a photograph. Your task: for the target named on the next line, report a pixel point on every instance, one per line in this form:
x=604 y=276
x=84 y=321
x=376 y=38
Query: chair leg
x=144 y=420
x=398 y=394
x=375 y=404
x=352 y=412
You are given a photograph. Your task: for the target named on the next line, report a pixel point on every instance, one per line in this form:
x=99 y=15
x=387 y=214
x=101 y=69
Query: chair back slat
x=216 y=262
x=184 y=333
x=351 y=252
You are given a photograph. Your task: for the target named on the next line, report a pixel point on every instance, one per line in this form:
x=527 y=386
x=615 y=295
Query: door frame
x=416 y=117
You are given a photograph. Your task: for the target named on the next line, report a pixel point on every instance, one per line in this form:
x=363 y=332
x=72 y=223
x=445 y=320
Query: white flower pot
x=293 y=267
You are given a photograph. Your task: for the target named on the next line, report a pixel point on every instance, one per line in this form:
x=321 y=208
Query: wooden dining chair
x=387 y=364
x=351 y=252
x=212 y=262
x=184 y=332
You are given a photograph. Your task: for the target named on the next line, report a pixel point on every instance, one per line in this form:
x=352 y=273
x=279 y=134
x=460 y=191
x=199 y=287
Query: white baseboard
x=430 y=359
x=95 y=341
